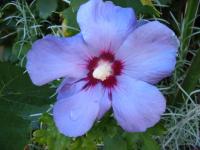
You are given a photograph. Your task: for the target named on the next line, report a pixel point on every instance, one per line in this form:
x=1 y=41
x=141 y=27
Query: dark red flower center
x=103 y=69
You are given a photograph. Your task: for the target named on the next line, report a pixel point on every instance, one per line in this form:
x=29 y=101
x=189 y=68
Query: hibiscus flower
x=113 y=62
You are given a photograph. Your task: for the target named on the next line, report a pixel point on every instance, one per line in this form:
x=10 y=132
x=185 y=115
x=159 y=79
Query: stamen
x=103 y=70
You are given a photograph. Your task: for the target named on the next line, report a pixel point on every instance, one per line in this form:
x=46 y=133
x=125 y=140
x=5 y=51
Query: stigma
x=103 y=70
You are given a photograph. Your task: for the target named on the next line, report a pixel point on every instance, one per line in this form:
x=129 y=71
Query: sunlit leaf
x=147 y=2
x=150 y=3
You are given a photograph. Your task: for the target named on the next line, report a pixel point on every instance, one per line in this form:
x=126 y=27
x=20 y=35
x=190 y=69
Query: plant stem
x=188 y=22
x=191 y=79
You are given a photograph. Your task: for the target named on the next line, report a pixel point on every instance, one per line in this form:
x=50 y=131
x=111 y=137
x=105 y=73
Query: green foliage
x=193 y=73
x=190 y=81
x=11 y=77
x=6 y=55
x=104 y=135
x=188 y=22
x=139 y=7
x=48 y=134
x=182 y=125
x=164 y=2
x=75 y=4
x=19 y=27
x=115 y=143
x=70 y=25
x=46 y=7
x=14 y=131
x=150 y=3
x=19 y=98
x=146 y=140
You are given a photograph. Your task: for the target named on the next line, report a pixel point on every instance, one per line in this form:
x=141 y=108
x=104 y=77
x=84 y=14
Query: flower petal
x=54 y=57
x=141 y=22
x=137 y=105
x=105 y=104
x=69 y=87
x=105 y=26
x=75 y=115
x=149 y=52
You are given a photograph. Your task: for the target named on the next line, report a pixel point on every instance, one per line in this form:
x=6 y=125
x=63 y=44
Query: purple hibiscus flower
x=113 y=61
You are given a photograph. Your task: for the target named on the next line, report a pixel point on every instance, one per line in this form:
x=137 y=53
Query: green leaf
x=14 y=134
x=16 y=86
x=144 y=8
x=191 y=13
x=19 y=98
x=46 y=7
x=165 y=2
x=70 y=25
x=48 y=135
x=157 y=130
x=138 y=6
x=19 y=50
x=6 y=54
x=144 y=140
x=191 y=79
x=147 y=2
x=75 y=4
x=132 y=139
x=149 y=143
x=116 y=143
x=70 y=16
